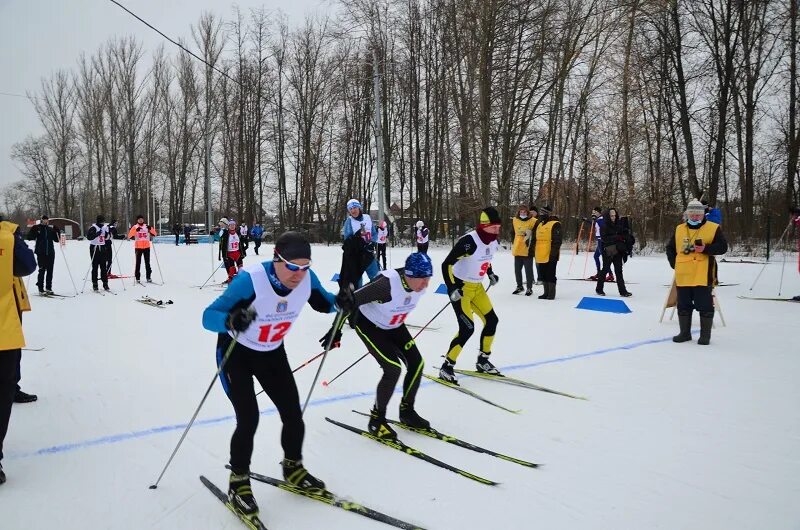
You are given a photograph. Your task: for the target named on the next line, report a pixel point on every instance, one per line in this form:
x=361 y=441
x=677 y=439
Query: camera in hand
x=688 y=248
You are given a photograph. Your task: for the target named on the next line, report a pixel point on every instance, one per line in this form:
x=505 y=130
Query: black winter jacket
x=45 y=236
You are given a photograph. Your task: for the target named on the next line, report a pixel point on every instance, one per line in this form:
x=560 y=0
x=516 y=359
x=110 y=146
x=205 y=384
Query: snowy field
x=671 y=437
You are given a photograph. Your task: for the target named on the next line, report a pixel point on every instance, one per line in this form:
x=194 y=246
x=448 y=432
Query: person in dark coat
x=44 y=235
x=187 y=233
x=614 y=237
x=176 y=231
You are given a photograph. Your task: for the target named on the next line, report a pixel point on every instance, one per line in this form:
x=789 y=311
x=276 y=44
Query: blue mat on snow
x=335 y=277
x=442 y=289
x=606 y=305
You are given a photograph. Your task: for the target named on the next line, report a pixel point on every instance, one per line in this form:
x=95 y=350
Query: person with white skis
x=257 y=311
x=422 y=236
x=97 y=236
x=379 y=311
x=691 y=252
x=141 y=233
x=359 y=234
x=463 y=270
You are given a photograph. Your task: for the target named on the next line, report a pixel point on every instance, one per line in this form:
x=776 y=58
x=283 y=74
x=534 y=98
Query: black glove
x=346 y=300
x=337 y=338
x=240 y=318
x=493 y=278
x=456 y=294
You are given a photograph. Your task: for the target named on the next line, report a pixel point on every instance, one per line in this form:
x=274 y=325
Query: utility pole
x=376 y=88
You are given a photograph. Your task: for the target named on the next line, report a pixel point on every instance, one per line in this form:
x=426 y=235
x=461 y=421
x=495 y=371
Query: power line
x=10 y=94
x=179 y=45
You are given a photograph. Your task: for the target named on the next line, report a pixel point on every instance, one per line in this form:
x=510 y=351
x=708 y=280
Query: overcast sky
x=38 y=37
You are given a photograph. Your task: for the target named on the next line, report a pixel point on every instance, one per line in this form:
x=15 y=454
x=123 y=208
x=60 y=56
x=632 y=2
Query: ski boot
x=378 y=426
x=485 y=366
x=240 y=495
x=528 y=291
x=446 y=372
x=410 y=417
x=517 y=290
x=296 y=474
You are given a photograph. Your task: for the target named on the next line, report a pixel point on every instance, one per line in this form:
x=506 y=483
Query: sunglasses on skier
x=293 y=266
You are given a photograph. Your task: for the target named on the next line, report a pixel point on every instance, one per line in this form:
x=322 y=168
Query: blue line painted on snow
x=271 y=411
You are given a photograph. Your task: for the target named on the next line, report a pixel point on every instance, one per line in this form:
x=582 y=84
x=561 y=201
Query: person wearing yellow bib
x=547 y=249
x=16 y=261
x=691 y=253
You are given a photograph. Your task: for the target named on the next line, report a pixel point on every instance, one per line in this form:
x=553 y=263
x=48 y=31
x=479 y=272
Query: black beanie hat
x=489 y=216
x=292 y=245
x=100 y=219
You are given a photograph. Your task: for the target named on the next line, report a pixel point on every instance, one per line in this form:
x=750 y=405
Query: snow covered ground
x=672 y=436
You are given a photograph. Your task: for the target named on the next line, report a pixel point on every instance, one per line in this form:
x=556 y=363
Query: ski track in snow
x=672 y=437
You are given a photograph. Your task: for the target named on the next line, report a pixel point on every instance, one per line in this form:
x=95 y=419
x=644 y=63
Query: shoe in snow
x=106 y=287
x=528 y=291
x=410 y=417
x=598 y=292
x=240 y=495
x=517 y=290
x=626 y=294
x=95 y=288
x=149 y=280
x=446 y=372
x=485 y=366
x=378 y=426
x=296 y=474
x=22 y=397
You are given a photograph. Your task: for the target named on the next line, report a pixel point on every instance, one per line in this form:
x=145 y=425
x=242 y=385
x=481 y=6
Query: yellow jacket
x=13 y=297
x=523 y=235
x=694 y=269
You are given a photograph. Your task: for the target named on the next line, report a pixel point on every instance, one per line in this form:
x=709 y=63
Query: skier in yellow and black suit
x=463 y=270
x=691 y=253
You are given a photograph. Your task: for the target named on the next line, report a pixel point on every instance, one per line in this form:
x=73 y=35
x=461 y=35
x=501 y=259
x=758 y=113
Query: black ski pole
x=221 y=263
x=197 y=411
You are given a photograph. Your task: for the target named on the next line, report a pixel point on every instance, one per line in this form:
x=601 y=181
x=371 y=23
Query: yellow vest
x=692 y=269
x=544 y=239
x=520 y=247
x=11 y=336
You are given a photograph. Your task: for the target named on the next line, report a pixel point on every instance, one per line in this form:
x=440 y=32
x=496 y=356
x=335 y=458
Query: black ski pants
x=257 y=244
x=45 y=262
x=9 y=364
x=381 y=254
x=109 y=257
x=697 y=298
x=547 y=271
x=148 y=271
x=616 y=261
x=390 y=347
x=98 y=255
x=273 y=373
x=422 y=247
x=519 y=263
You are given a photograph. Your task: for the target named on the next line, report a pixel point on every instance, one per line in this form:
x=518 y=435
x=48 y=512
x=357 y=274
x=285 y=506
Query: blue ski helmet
x=354 y=203
x=419 y=265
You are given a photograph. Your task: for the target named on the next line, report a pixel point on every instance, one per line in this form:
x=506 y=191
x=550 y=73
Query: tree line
x=640 y=104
